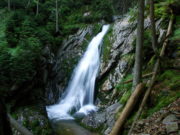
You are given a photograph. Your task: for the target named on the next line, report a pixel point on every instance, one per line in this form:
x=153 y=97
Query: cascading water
x=79 y=95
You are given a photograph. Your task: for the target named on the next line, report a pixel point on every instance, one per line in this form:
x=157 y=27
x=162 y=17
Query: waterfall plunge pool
x=70 y=127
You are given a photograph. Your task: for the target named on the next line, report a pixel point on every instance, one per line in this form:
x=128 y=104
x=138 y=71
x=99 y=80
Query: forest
x=89 y=67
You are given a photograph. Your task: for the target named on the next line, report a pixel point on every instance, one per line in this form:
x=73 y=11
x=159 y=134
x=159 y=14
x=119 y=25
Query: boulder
x=170 y=118
x=172 y=127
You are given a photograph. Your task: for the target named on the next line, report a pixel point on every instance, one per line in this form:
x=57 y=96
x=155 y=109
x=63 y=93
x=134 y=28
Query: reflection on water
x=69 y=127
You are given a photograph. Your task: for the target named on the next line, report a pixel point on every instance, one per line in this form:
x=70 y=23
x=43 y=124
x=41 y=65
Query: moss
x=125 y=89
x=176 y=34
x=167 y=91
x=107 y=44
x=121 y=86
x=97 y=28
x=125 y=97
x=163 y=100
x=170 y=78
x=133 y=12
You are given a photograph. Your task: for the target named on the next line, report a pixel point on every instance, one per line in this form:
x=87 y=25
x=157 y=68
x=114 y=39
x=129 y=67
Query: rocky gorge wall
x=116 y=62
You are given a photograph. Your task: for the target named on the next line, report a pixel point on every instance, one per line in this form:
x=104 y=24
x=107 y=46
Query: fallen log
x=156 y=67
x=144 y=76
x=127 y=109
x=18 y=127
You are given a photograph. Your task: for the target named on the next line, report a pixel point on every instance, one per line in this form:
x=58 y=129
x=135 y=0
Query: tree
x=37 y=7
x=153 y=27
x=57 y=26
x=139 y=44
x=5 y=128
x=9 y=5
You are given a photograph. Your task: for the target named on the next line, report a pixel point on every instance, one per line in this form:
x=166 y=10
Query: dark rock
x=113 y=108
x=79 y=115
x=63 y=64
x=110 y=113
x=94 y=120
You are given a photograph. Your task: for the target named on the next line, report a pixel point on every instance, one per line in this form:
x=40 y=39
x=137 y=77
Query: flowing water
x=79 y=95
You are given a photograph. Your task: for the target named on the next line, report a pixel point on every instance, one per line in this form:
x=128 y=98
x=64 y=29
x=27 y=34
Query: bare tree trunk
x=139 y=44
x=127 y=110
x=37 y=7
x=153 y=27
x=156 y=67
x=5 y=128
x=29 y=1
x=57 y=26
x=9 y=5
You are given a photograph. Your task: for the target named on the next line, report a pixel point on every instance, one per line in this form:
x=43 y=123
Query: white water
x=79 y=95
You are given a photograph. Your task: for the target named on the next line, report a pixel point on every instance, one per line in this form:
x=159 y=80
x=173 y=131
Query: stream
x=70 y=127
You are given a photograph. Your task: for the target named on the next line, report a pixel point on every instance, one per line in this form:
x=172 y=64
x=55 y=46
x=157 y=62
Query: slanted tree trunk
x=156 y=67
x=57 y=26
x=9 y=5
x=37 y=7
x=139 y=44
x=153 y=27
x=5 y=128
x=127 y=110
x=17 y=126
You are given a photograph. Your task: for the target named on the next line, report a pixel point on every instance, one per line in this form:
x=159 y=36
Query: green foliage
x=125 y=97
x=107 y=44
x=163 y=99
x=21 y=49
x=169 y=87
x=171 y=79
x=176 y=35
x=133 y=12
x=162 y=9
x=125 y=89
x=103 y=9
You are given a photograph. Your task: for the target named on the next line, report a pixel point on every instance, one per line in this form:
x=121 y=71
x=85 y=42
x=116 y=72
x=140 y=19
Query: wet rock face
x=122 y=44
x=67 y=57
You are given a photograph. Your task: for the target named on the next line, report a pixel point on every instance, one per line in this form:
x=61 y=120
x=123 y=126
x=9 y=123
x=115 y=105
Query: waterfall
x=79 y=95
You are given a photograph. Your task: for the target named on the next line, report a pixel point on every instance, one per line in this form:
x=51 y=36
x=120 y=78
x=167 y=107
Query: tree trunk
x=139 y=44
x=57 y=26
x=9 y=5
x=127 y=110
x=5 y=128
x=37 y=7
x=19 y=127
x=156 y=67
x=153 y=27
x=29 y=1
